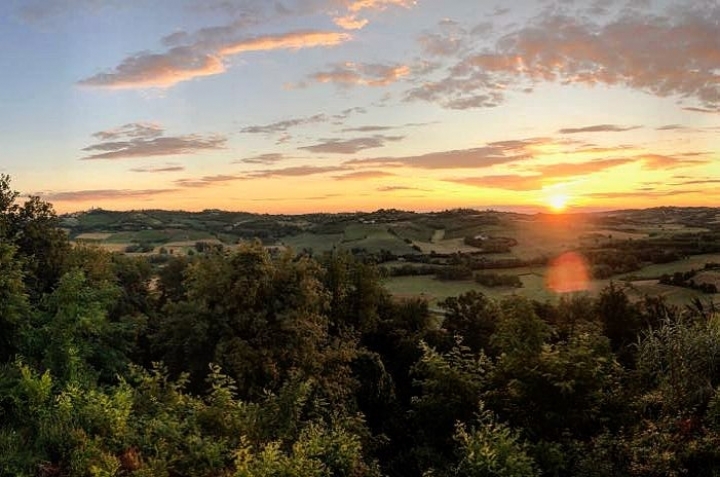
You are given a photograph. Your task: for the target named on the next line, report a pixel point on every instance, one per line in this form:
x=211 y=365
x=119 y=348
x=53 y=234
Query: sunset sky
x=342 y=105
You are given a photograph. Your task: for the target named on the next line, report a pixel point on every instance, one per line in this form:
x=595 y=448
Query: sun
x=558 y=202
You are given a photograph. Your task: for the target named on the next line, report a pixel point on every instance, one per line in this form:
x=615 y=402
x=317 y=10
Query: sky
x=296 y=106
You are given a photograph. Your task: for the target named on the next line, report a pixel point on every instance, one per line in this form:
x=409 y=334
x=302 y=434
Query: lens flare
x=568 y=273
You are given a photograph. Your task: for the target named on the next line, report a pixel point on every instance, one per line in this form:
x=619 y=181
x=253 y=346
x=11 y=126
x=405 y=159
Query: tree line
x=242 y=363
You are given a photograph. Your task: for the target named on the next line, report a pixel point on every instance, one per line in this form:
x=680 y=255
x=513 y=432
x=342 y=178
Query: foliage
x=246 y=362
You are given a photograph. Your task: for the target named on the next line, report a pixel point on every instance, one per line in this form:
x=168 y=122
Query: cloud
x=593 y=149
x=515 y=145
x=351 y=146
x=672 y=55
x=507 y=182
x=351 y=20
x=269 y=158
x=103 y=194
x=696 y=182
x=296 y=171
x=450 y=39
x=360 y=74
x=168 y=168
x=367 y=129
x=131 y=130
x=203 y=58
x=715 y=110
x=659 y=161
x=288 y=41
x=399 y=188
x=639 y=194
x=671 y=127
x=208 y=180
x=569 y=169
x=598 y=128
x=360 y=175
x=480 y=157
x=282 y=126
x=137 y=140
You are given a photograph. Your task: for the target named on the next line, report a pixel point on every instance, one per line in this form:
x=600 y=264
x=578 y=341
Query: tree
x=473 y=316
x=14 y=306
x=491 y=449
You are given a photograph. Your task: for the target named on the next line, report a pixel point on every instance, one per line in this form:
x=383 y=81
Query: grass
x=93 y=236
x=434 y=290
x=318 y=243
x=374 y=238
x=655 y=271
x=414 y=232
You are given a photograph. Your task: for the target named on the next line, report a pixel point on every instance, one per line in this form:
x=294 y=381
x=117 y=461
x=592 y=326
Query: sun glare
x=558 y=202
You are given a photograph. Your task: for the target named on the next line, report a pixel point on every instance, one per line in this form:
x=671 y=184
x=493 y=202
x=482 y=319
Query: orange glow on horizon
x=558 y=202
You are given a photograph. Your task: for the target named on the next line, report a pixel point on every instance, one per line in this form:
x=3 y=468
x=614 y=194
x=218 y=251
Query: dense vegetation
x=247 y=363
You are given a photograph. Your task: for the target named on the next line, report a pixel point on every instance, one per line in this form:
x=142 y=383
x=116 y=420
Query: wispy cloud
x=296 y=171
x=202 y=58
x=696 y=182
x=671 y=127
x=284 y=125
x=480 y=157
x=206 y=181
x=362 y=175
x=598 y=128
x=399 y=189
x=352 y=19
x=570 y=169
x=507 y=182
x=103 y=194
x=369 y=128
x=639 y=194
x=268 y=158
x=715 y=110
x=131 y=130
x=351 y=146
x=659 y=161
x=168 y=168
x=139 y=140
x=675 y=54
x=359 y=74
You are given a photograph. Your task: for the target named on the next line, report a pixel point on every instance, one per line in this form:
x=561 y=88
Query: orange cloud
x=672 y=55
x=361 y=175
x=502 y=152
x=161 y=70
x=289 y=41
x=659 y=161
x=598 y=128
x=183 y=63
x=569 y=169
x=352 y=20
x=361 y=74
x=507 y=182
x=103 y=194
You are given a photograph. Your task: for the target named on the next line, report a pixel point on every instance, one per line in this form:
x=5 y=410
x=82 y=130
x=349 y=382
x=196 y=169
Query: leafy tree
x=473 y=316
x=14 y=306
x=491 y=449
x=72 y=336
x=34 y=229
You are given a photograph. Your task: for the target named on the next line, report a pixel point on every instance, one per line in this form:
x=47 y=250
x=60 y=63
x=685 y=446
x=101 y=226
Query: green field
x=533 y=279
x=434 y=290
x=695 y=262
x=318 y=243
